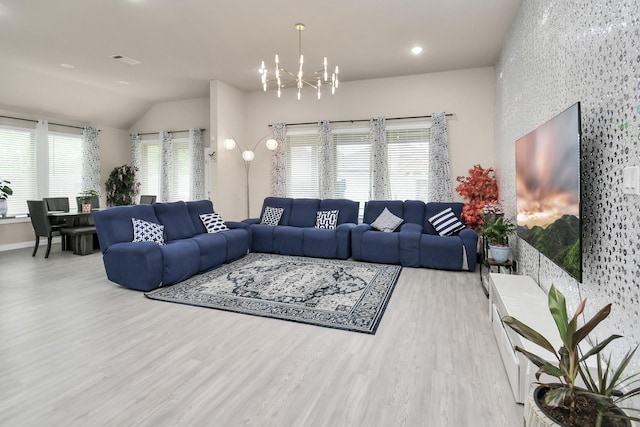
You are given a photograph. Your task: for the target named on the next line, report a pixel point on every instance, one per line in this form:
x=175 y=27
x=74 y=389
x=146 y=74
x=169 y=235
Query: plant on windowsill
x=497 y=230
x=85 y=199
x=598 y=404
x=122 y=186
x=479 y=188
x=5 y=192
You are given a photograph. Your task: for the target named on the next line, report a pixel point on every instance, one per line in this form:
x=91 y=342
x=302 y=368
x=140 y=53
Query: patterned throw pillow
x=327 y=219
x=386 y=221
x=213 y=222
x=446 y=222
x=271 y=215
x=144 y=231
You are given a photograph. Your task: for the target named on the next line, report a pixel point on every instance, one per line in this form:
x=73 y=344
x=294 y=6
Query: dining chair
x=42 y=226
x=94 y=201
x=57 y=204
x=147 y=199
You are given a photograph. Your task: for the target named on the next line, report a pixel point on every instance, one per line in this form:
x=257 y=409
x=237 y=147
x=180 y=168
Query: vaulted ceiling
x=182 y=45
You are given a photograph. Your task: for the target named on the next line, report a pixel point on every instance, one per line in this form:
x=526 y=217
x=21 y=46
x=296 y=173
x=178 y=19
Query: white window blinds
x=18 y=165
x=353 y=165
x=408 y=162
x=181 y=171
x=65 y=166
x=149 y=169
x=302 y=164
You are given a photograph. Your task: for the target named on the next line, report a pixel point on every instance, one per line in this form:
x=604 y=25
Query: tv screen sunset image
x=548 y=189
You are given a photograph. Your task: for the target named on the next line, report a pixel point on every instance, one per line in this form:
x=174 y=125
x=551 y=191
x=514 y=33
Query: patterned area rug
x=338 y=294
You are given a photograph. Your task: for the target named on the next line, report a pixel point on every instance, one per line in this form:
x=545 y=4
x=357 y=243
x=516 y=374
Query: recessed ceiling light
x=416 y=50
x=123 y=82
x=67 y=66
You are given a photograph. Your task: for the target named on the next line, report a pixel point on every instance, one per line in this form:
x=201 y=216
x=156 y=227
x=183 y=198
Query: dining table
x=83 y=239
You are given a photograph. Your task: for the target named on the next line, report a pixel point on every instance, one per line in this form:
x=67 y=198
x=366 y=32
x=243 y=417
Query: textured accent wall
x=558 y=53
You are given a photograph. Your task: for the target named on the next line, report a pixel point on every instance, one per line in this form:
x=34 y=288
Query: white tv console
x=522 y=298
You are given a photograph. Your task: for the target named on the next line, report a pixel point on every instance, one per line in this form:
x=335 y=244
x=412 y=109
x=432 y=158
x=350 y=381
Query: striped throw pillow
x=446 y=222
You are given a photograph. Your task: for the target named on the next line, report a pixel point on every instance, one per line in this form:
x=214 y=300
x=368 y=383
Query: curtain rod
x=364 y=120
x=170 y=131
x=51 y=123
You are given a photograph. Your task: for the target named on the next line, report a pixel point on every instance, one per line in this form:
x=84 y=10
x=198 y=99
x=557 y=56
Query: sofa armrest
x=237 y=224
x=356 y=240
x=343 y=239
x=409 y=241
x=134 y=265
x=470 y=241
x=251 y=221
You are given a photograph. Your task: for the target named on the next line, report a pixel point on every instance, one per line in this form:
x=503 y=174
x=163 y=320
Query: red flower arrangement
x=480 y=188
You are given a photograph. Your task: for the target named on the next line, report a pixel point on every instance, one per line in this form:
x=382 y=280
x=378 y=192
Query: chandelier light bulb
x=229 y=144
x=248 y=155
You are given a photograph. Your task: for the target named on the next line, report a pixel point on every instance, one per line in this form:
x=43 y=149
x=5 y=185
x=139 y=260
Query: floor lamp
x=249 y=155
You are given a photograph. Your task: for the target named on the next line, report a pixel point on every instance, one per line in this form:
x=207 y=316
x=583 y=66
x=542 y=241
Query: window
x=18 y=165
x=60 y=173
x=150 y=173
x=353 y=165
x=408 y=162
x=65 y=166
x=302 y=164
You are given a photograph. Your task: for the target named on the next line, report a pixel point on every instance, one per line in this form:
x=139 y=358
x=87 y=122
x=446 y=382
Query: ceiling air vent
x=126 y=59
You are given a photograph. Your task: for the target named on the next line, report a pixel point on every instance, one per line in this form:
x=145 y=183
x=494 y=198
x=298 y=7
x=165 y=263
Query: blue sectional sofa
x=415 y=243
x=189 y=249
x=296 y=232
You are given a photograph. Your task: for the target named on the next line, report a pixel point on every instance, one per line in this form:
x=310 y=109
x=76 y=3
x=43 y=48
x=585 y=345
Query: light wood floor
x=78 y=350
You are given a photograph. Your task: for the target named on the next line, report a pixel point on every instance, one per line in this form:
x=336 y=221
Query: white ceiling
x=183 y=44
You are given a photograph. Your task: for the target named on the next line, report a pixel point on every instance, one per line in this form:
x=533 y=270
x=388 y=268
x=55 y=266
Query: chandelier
x=285 y=78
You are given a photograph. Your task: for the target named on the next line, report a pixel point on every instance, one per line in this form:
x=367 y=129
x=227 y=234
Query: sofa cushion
x=373 y=209
x=327 y=219
x=279 y=202
x=176 y=220
x=303 y=212
x=197 y=208
x=446 y=222
x=348 y=209
x=213 y=222
x=386 y=221
x=271 y=216
x=114 y=225
x=145 y=231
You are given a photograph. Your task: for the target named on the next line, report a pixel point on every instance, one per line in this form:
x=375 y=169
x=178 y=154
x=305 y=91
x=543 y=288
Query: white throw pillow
x=213 y=222
x=386 y=221
x=145 y=231
x=327 y=219
x=271 y=215
x=446 y=222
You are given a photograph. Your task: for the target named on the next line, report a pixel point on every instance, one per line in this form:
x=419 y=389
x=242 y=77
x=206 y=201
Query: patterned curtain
x=327 y=168
x=279 y=161
x=440 y=188
x=379 y=168
x=136 y=139
x=90 y=159
x=166 y=165
x=197 y=164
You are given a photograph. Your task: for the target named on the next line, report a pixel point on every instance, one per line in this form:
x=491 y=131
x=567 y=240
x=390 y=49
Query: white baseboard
x=22 y=245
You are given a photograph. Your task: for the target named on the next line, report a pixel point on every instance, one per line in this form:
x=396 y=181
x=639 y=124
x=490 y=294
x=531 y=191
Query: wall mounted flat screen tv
x=548 y=190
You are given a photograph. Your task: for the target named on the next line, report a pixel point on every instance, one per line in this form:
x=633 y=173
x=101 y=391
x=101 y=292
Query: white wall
x=466 y=93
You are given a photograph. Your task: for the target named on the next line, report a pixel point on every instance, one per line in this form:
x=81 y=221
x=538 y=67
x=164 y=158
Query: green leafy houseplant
x=122 y=186
x=602 y=395
x=86 y=195
x=497 y=230
x=5 y=190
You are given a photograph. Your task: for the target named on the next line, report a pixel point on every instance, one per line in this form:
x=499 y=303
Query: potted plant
x=564 y=403
x=497 y=230
x=5 y=192
x=479 y=188
x=122 y=186
x=85 y=199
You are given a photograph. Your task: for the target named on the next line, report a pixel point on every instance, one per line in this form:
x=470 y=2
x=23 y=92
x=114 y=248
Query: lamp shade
x=248 y=155
x=272 y=144
x=229 y=144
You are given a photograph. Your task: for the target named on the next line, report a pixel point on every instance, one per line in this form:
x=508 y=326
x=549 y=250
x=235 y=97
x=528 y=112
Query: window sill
x=14 y=219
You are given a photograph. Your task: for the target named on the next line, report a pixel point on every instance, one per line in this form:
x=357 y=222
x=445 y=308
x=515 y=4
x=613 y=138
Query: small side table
x=489 y=265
